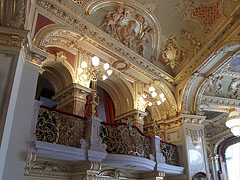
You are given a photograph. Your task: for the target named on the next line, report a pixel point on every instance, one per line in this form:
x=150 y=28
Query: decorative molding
x=220 y=104
x=110 y=46
x=200 y=59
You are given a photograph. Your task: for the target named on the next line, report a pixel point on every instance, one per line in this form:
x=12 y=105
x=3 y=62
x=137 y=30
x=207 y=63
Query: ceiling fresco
x=186 y=26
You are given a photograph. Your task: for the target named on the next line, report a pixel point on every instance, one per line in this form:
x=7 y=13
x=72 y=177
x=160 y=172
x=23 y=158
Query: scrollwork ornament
x=125 y=140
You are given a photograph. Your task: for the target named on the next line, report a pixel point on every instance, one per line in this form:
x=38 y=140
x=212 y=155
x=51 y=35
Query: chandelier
x=151 y=99
x=93 y=72
x=233 y=122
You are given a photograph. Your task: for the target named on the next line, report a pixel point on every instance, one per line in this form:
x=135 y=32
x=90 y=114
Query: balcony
x=60 y=135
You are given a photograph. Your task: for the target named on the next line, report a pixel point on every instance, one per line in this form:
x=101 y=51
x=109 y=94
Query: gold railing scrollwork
x=125 y=139
x=170 y=153
x=59 y=128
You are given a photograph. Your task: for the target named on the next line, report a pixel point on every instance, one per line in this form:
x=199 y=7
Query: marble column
x=135 y=117
x=72 y=99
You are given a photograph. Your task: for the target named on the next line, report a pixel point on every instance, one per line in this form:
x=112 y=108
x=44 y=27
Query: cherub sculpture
x=144 y=40
x=112 y=19
x=128 y=33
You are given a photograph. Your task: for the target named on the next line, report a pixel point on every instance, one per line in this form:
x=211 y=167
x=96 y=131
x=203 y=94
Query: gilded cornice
x=11 y=37
x=103 y=41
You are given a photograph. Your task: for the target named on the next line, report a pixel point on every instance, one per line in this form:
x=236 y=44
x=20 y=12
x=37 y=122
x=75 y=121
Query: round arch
x=196 y=85
x=120 y=92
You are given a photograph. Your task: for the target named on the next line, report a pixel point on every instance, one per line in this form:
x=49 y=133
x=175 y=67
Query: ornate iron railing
x=170 y=153
x=60 y=128
x=125 y=139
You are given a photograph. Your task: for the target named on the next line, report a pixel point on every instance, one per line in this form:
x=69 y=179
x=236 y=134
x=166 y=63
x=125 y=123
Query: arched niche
x=120 y=92
x=197 y=84
x=142 y=17
x=57 y=74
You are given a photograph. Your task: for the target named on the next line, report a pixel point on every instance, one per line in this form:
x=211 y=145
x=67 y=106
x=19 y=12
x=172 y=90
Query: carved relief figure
x=144 y=40
x=112 y=19
x=130 y=28
x=215 y=86
x=234 y=89
x=128 y=33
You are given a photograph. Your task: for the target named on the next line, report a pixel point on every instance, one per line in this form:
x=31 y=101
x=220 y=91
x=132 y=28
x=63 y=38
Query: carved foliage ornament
x=172 y=54
x=129 y=27
x=13 y=14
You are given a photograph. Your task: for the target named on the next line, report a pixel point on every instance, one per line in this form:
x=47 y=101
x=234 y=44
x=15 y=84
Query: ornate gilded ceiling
x=186 y=26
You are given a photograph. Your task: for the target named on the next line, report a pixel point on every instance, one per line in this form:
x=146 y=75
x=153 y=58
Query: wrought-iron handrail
x=59 y=127
x=125 y=139
x=170 y=152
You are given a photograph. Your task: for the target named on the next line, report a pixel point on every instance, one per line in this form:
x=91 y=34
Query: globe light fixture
x=93 y=71
x=95 y=61
x=84 y=64
x=106 y=66
x=233 y=122
x=152 y=100
x=152 y=89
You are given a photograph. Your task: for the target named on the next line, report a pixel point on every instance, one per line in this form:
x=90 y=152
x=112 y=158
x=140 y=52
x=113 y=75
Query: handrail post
x=156 y=150
x=96 y=150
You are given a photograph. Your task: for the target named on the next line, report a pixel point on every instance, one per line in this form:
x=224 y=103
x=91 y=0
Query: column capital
x=192 y=119
x=134 y=116
x=13 y=37
x=72 y=99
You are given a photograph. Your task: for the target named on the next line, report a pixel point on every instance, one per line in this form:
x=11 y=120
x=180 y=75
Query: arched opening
x=45 y=92
x=229 y=158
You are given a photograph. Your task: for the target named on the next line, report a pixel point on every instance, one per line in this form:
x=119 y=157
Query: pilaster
x=18 y=101
x=191 y=137
x=72 y=99
x=135 y=117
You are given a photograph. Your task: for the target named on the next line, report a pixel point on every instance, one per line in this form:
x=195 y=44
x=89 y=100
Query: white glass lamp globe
x=106 y=66
x=84 y=64
x=109 y=72
x=95 y=61
x=152 y=89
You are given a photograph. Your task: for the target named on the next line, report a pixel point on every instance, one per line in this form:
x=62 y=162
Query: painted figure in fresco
x=128 y=33
x=112 y=19
x=144 y=40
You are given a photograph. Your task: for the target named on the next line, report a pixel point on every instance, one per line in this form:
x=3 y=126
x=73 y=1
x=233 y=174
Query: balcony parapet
x=170 y=152
x=68 y=136
x=124 y=139
x=57 y=127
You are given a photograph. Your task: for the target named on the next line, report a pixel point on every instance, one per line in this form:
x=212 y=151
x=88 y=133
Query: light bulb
x=85 y=76
x=140 y=98
x=163 y=99
x=109 y=72
x=150 y=104
x=104 y=77
x=80 y=70
x=159 y=102
x=106 y=66
x=84 y=64
x=95 y=61
x=152 y=89
x=161 y=95
x=154 y=94
x=144 y=96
